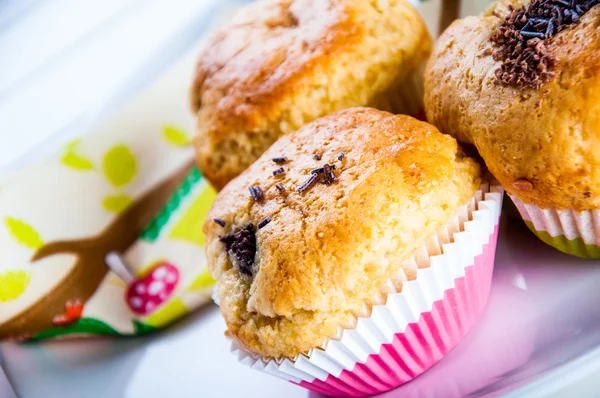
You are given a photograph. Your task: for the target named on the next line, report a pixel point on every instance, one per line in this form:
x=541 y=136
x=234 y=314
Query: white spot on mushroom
x=155 y=287
x=163 y=295
x=159 y=273
x=150 y=306
x=140 y=289
x=171 y=277
x=136 y=302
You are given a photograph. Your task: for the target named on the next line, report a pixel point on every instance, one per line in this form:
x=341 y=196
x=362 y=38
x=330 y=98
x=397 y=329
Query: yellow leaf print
x=116 y=203
x=119 y=165
x=175 y=135
x=173 y=310
x=13 y=284
x=203 y=281
x=74 y=160
x=189 y=226
x=23 y=233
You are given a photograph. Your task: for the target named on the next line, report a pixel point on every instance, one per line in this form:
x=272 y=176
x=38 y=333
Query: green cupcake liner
x=574 y=247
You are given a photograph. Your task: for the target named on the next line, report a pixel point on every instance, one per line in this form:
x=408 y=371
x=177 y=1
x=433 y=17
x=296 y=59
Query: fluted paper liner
x=572 y=232
x=414 y=322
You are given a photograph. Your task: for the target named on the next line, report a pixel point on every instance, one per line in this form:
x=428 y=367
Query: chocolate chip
x=220 y=222
x=279 y=160
x=278 y=171
x=242 y=246
x=341 y=156
x=587 y=194
x=280 y=187
x=317 y=156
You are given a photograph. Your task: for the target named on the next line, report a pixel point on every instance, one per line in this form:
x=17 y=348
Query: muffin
x=282 y=63
x=522 y=83
x=345 y=237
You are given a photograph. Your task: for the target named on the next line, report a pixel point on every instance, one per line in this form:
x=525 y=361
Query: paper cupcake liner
x=415 y=322
x=573 y=232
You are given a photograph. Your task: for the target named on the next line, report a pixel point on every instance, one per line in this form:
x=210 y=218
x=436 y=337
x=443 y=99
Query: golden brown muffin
x=540 y=138
x=284 y=288
x=283 y=63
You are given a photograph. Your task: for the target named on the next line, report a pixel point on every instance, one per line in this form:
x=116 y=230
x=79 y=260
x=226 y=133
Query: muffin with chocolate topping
x=282 y=63
x=521 y=82
x=338 y=224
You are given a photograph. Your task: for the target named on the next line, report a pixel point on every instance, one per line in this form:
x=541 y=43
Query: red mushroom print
x=73 y=313
x=146 y=294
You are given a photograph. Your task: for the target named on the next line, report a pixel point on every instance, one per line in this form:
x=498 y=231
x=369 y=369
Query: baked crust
x=542 y=145
x=328 y=250
x=282 y=63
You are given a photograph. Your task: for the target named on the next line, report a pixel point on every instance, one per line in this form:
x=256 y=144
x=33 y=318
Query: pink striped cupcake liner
x=572 y=232
x=421 y=314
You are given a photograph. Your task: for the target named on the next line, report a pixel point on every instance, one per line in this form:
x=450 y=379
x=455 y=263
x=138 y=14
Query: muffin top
x=359 y=191
x=282 y=63
x=530 y=104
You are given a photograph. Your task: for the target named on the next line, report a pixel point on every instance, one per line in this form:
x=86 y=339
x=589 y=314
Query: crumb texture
x=282 y=63
x=328 y=249
x=542 y=141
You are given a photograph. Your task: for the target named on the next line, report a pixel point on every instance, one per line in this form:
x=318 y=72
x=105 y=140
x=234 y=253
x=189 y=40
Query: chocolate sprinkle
x=220 y=222
x=308 y=183
x=341 y=156
x=522 y=37
x=242 y=246
x=587 y=194
x=256 y=192
x=280 y=187
x=281 y=159
x=264 y=223
x=278 y=171
x=321 y=170
x=326 y=171
x=328 y=175
x=317 y=156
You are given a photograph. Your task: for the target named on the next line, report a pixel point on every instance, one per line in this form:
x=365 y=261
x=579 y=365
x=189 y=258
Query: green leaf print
x=119 y=165
x=82 y=326
x=175 y=135
x=74 y=160
x=116 y=203
x=156 y=226
x=23 y=233
x=141 y=328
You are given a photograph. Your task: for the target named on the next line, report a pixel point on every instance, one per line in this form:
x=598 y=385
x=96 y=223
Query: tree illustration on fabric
x=90 y=268
x=61 y=311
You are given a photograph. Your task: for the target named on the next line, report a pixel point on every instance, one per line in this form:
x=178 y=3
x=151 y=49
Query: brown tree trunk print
x=90 y=268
